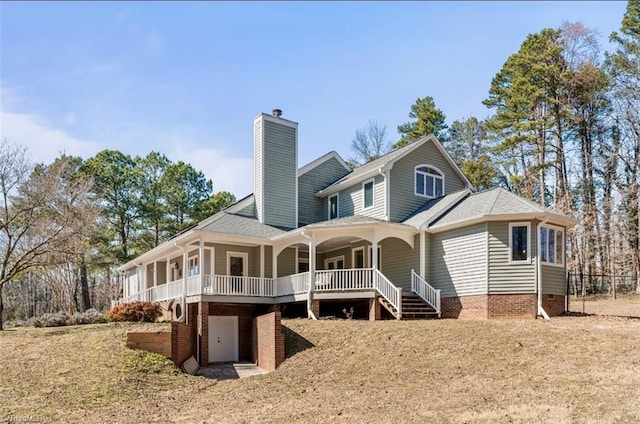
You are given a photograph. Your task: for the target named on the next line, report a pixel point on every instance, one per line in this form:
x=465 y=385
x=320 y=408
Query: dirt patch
x=569 y=369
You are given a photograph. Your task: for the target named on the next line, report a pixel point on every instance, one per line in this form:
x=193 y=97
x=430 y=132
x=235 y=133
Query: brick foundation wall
x=512 y=306
x=497 y=306
x=555 y=306
x=315 y=307
x=245 y=317
x=181 y=342
x=268 y=341
x=465 y=307
x=375 y=309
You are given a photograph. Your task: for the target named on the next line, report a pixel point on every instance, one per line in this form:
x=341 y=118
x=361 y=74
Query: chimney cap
x=277 y=113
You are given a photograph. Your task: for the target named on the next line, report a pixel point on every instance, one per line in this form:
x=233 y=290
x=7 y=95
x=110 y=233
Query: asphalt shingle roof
x=374 y=164
x=348 y=220
x=497 y=201
x=228 y=223
x=431 y=209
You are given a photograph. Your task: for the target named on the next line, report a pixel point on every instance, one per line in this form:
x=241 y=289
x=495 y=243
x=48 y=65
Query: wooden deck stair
x=413 y=307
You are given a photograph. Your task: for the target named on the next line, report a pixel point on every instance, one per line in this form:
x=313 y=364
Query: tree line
x=564 y=132
x=65 y=226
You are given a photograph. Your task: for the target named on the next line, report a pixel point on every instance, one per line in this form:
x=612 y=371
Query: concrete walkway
x=230 y=370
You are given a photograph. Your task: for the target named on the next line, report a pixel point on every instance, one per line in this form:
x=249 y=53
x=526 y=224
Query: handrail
x=389 y=291
x=360 y=279
x=424 y=290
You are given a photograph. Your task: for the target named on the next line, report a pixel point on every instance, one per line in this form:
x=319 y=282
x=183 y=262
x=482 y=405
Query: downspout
x=185 y=258
x=541 y=311
x=385 y=171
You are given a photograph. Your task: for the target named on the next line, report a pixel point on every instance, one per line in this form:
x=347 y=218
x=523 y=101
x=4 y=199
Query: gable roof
x=496 y=204
x=385 y=162
x=322 y=159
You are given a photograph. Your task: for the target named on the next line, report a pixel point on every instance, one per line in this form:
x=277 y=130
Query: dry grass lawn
x=627 y=305
x=571 y=369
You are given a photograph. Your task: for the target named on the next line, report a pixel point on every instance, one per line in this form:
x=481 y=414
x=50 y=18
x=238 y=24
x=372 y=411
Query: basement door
x=223 y=338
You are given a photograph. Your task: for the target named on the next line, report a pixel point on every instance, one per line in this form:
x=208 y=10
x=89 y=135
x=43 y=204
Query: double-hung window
x=367 y=194
x=552 y=245
x=519 y=242
x=333 y=206
x=429 y=182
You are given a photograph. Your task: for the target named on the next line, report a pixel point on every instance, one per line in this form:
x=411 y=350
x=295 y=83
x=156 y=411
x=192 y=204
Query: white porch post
x=184 y=271
x=262 y=261
x=374 y=253
x=201 y=264
x=274 y=264
x=312 y=276
x=423 y=252
x=167 y=275
x=155 y=273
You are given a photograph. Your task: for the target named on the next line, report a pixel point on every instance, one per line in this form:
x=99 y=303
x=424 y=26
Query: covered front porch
x=337 y=261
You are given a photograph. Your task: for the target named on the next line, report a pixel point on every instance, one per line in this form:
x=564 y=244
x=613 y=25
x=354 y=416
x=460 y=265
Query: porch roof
x=241 y=225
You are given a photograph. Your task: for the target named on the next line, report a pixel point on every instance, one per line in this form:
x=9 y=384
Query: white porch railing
x=325 y=281
x=292 y=284
x=360 y=279
x=242 y=286
x=430 y=295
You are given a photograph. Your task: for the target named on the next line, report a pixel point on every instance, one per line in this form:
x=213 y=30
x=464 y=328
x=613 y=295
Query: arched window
x=429 y=181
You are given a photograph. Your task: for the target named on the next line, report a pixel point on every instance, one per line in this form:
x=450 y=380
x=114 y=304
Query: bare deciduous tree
x=369 y=143
x=42 y=211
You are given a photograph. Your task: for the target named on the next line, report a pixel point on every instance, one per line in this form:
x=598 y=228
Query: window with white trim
x=367 y=194
x=429 y=181
x=519 y=242
x=552 y=245
x=357 y=257
x=333 y=206
x=193 y=266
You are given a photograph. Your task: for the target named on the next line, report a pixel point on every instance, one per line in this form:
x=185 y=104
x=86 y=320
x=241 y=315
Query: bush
x=90 y=316
x=57 y=319
x=135 y=312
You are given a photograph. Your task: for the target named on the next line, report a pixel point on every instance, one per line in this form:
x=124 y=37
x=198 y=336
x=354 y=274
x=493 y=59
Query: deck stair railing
x=425 y=291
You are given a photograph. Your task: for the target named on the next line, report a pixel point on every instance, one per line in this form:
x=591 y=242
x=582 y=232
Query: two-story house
x=403 y=236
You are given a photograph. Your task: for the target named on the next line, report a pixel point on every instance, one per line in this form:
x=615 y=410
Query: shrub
x=57 y=319
x=135 y=312
x=90 y=316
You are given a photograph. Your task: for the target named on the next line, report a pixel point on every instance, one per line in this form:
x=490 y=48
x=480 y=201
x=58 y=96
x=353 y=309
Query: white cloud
x=44 y=142
x=233 y=174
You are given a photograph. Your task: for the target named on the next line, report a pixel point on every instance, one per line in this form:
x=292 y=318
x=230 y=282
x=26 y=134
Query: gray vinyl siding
x=554 y=279
x=505 y=277
x=459 y=261
x=257 y=166
x=206 y=269
x=286 y=262
x=350 y=200
x=249 y=210
x=310 y=208
x=268 y=261
x=398 y=259
x=403 y=198
x=149 y=275
x=280 y=175
x=220 y=251
x=345 y=251
x=162 y=272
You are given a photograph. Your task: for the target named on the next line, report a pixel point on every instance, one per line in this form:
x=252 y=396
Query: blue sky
x=187 y=79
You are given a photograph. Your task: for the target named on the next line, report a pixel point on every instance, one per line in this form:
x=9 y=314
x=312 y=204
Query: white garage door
x=223 y=339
